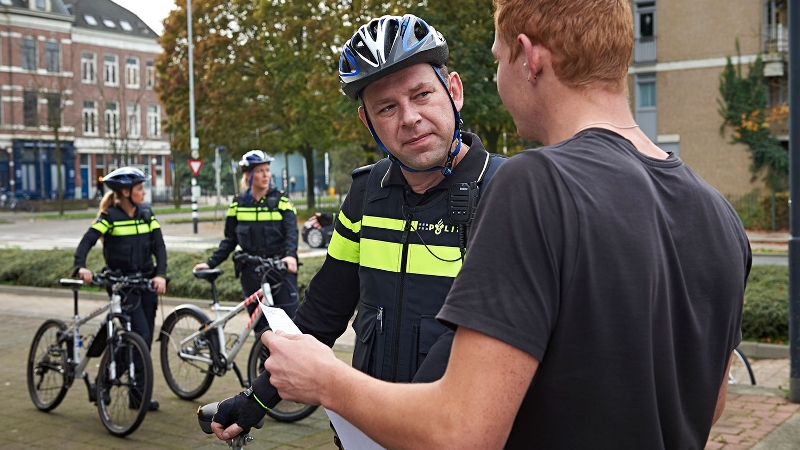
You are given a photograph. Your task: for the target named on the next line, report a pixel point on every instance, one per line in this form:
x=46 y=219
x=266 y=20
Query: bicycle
x=205 y=415
x=124 y=380
x=741 y=372
x=194 y=348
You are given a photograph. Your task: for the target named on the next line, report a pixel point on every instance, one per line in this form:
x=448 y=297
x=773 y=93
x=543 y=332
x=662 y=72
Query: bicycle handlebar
x=241 y=258
x=205 y=415
x=109 y=279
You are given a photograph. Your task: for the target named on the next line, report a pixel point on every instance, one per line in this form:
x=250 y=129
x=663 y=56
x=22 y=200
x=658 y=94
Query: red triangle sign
x=195 y=165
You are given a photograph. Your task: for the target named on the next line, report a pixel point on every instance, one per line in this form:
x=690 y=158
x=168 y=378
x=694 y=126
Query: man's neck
x=420 y=182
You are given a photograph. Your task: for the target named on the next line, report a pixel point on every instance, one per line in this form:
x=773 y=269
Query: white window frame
x=150 y=74
x=90 y=118
x=133 y=124
x=112 y=119
x=47 y=56
x=154 y=121
x=89 y=67
x=132 y=72
x=110 y=70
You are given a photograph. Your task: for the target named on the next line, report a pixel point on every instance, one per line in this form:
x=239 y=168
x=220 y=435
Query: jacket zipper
x=400 y=297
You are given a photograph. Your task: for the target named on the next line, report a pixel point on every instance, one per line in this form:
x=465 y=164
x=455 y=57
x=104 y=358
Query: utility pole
x=195 y=144
x=794 y=194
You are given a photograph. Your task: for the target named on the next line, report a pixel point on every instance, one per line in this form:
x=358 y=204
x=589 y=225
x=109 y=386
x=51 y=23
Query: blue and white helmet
x=387 y=45
x=253 y=158
x=124 y=177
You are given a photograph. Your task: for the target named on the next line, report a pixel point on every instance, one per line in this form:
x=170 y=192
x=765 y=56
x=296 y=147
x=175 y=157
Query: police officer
x=131 y=237
x=396 y=248
x=263 y=221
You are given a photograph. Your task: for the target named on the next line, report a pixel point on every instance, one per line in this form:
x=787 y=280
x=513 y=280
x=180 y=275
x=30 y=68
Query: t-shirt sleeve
x=511 y=282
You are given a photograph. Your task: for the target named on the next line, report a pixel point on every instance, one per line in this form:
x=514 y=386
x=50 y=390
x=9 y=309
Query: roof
x=57 y=5
x=107 y=16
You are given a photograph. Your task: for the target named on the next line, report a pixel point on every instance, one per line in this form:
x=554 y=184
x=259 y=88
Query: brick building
x=680 y=51
x=78 y=74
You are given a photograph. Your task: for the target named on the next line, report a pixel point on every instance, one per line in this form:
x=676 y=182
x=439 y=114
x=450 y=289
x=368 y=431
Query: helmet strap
x=250 y=187
x=447 y=168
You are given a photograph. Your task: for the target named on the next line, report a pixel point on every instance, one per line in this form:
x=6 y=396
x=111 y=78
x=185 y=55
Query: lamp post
x=794 y=187
x=195 y=144
x=153 y=163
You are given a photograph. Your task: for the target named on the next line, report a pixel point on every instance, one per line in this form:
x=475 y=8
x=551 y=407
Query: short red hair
x=591 y=40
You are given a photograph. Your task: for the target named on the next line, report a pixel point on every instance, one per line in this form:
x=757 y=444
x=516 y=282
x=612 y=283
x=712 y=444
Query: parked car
x=315 y=237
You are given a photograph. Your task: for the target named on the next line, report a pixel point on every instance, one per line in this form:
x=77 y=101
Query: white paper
x=352 y=438
x=279 y=320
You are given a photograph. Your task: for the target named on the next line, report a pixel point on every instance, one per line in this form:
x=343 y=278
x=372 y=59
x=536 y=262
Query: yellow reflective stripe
x=387 y=256
x=154 y=225
x=354 y=227
x=130 y=229
x=102 y=226
x=343 y=249
x=380 y=255
x=421 y=261
x=385 y=223
x=286 y=204
x=232 y=209
x=258 y=216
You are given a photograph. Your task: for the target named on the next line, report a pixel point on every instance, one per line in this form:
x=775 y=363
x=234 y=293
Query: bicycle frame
x=219 y=325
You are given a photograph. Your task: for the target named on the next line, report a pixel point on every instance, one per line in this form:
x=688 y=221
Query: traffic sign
x=195 y=165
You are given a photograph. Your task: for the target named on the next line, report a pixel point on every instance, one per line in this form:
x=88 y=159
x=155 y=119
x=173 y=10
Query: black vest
x=409 y=257
x=128 y=242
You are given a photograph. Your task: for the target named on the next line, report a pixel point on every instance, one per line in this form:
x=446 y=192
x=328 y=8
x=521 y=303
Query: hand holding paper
x=279 y=320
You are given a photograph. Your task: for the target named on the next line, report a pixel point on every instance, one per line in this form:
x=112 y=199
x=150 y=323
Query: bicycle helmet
x=124 y=177
x=387 y=45
x=253 y=158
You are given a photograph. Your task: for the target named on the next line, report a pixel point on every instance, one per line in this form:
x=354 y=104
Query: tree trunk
x=308 y=155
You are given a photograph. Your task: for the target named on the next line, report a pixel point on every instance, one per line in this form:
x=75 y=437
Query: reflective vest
x=128 y=242
x=408 y=258
x=259 y=227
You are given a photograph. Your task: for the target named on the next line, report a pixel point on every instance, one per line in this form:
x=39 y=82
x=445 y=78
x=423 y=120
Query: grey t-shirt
x=624 y=276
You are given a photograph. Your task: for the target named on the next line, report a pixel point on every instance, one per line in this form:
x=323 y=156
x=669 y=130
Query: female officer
x=263 y=221
x=131 y=237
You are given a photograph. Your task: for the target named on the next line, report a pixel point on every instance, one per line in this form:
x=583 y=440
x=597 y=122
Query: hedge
x=765 y=314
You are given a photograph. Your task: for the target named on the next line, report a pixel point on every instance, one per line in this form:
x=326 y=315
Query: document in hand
x=351 y=437
x=279 y=320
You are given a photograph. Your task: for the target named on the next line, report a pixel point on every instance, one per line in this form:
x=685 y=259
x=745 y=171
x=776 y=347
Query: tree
x=743 y=108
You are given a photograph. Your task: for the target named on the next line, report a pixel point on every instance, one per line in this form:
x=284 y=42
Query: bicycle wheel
x=285 y=411
x=48 y=366
x=741 y=372
x=124 y=388
x=187 y=378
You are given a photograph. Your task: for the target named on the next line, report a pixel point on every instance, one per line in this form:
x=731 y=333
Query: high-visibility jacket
x=129 y=243
x=408 y=257
x=267 y=227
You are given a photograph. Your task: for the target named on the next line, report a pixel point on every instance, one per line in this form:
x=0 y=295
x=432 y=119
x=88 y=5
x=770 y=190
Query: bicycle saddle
x=208 y=274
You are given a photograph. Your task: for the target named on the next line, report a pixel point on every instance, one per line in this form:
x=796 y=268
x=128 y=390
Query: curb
x=760 y=350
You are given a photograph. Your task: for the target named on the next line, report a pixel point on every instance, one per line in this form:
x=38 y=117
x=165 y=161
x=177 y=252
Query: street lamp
x=195 y=144
x=153 y=163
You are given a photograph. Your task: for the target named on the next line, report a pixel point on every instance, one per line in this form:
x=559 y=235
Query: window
x=133 y=125
x=112 y=119
x=109 y=23
x=125 y=25
x=90 y=20
x=647 y=90
x=646 y=112
x=88 y=67
x=41 y=4
x=30 y=108
x=29 y=54
x=54 y=110
x=110 y=70
x=52 y=52
x=150 y=74
x=645 y=32
x=154 y=121
x=90 y=117
x=132 y=72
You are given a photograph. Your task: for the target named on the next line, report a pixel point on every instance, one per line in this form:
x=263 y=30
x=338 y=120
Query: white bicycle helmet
x=254 y=158
x=387 y=45
x=124 y=177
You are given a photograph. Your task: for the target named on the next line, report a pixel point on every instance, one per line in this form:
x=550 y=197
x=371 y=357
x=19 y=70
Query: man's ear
x=535 y=55
x=456 y=89
x=363 y=115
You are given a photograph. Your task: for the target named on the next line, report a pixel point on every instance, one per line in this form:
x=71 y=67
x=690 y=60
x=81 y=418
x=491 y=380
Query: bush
x=781 y=210
x=765 y=316
x=43 y=268
x=755 y=210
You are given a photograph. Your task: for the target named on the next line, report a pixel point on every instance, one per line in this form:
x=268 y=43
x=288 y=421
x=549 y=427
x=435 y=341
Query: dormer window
x=109 y=23
x=6 y=2
x=125 y=25
x=90 y=20
x=41 y=4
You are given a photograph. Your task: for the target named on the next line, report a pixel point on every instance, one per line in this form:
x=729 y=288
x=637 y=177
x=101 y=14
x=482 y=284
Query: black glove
x=324 y=219
x=242 y=410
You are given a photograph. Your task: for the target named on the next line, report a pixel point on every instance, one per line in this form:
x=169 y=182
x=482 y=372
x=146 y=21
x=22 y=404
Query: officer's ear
x=362 y=113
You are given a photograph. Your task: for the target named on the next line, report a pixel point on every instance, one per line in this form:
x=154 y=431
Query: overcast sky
x=152 y=12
